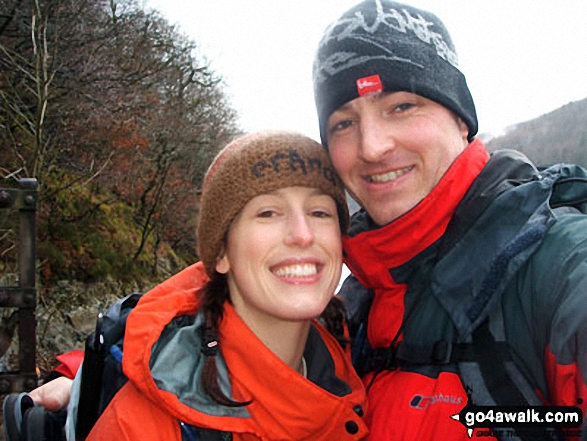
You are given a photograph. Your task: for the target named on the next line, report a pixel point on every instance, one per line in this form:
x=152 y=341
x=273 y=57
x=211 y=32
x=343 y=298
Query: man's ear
x=222 y=264
x=464 y=129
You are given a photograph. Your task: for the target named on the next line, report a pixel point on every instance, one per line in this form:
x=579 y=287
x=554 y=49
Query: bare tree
x=101 y=100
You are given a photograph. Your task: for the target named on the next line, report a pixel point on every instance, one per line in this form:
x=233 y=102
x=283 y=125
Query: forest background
x=117 y=114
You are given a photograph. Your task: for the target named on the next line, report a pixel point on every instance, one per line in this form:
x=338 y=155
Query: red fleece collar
x=370 y=254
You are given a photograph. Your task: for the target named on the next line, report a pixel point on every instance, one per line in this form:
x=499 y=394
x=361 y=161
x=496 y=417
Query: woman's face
x=283 y=256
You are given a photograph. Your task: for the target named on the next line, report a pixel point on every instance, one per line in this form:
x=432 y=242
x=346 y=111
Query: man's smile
x=389 y=176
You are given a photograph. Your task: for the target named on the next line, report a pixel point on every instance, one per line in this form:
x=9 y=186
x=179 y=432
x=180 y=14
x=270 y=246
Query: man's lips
x=389 y=176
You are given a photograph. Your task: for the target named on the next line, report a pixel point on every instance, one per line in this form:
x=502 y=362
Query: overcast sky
x=522 y=58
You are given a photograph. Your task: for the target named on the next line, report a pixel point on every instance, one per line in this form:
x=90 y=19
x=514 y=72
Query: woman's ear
x=222 y=264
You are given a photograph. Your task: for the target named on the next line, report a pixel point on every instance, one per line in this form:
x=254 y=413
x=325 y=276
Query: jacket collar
x=162 y=359
x=286 y=405
x=370 y=254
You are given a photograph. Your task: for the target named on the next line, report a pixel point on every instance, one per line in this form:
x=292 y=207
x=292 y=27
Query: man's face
x=391 y=149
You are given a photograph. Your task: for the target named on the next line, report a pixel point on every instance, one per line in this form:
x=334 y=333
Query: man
x=469 y=287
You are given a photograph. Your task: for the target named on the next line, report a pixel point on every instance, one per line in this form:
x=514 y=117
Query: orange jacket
x=162 y=361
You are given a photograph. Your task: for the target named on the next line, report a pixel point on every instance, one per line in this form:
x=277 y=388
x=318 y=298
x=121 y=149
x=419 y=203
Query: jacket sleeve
x=564 y=272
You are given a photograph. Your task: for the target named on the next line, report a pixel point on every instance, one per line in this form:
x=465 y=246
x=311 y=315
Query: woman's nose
x=300 y=232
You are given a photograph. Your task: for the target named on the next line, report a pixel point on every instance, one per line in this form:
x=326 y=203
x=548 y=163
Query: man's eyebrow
x=375 y=96
x=345 y=106
x=382 y=94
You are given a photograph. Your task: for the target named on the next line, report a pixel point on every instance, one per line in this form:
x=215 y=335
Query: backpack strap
x=570 y=186
x=491 y=357
x=91 y=382
x=487 y=370
x=101 y=374
x=495 y=378
x=439 y=353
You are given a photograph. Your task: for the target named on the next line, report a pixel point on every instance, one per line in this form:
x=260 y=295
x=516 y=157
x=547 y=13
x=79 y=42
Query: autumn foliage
x=117 y=115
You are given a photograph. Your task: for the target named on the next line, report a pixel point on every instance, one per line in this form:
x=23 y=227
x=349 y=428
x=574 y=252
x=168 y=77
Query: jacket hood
x=372 y=250
x=499 y=245
x=463 y=216
x=162 y=359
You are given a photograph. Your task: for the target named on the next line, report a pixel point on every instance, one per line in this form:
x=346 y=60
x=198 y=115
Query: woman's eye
x=266 y=213
x=321 y=213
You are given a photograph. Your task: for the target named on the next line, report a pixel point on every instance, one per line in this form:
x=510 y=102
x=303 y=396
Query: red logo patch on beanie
x=370 y=84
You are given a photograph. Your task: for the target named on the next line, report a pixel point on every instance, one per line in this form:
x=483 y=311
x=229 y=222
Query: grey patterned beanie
x=382 y=45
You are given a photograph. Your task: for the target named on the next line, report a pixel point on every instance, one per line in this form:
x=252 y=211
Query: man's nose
x=375 y=141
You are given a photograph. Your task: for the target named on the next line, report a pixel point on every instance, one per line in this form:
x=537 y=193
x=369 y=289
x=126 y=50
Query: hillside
x=558 y=136
x=117 y=114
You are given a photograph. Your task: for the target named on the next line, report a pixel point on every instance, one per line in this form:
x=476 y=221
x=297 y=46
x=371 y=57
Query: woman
x=243 y=354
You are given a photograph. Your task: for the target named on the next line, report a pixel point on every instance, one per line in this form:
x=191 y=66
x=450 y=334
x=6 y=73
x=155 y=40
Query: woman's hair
x=213 y=295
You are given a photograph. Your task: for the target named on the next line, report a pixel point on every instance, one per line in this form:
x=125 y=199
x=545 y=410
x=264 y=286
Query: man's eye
x=403 y=107
x=341 y=125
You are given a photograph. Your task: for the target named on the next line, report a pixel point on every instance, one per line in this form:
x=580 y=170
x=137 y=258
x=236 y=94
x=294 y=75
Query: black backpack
x=102 y=375
x=101 y=379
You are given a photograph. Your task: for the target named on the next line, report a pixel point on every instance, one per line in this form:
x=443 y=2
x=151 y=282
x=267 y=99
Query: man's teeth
x=303 y=270
x=386 y=177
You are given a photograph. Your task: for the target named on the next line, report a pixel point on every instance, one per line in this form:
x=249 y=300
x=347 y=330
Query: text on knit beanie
x=381 y=45
x=253 y=165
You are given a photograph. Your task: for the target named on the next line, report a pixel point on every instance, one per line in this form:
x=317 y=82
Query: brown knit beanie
x=256 y=164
